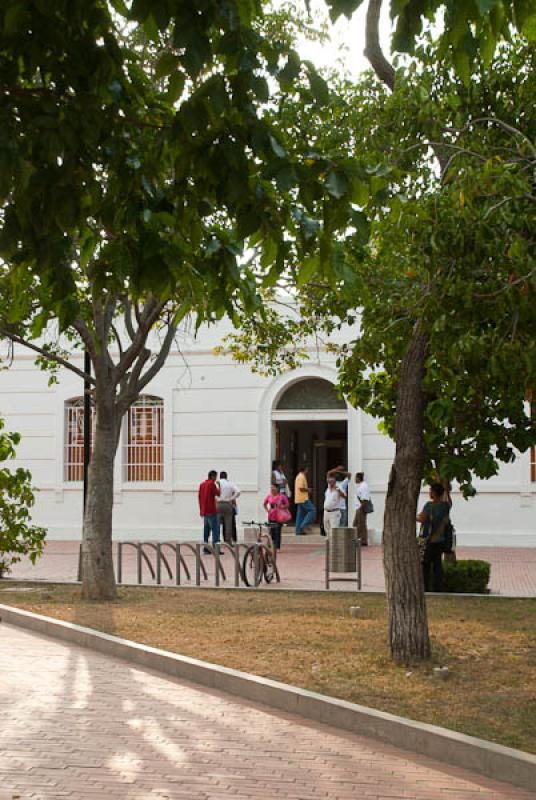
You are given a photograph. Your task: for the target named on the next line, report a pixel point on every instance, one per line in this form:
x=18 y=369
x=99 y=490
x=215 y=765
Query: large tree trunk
x=98 y=581
x=408 y=624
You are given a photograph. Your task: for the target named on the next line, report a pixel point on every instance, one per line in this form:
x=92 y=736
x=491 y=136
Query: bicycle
x=260 y=559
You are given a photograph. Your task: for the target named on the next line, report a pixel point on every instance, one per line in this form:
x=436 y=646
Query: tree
x=140 y=163
x=444 y=274
x=469 y=30
x=17 y=536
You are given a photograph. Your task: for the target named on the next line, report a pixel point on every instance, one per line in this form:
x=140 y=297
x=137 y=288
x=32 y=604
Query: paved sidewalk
x=79 y=724
x=513 y=570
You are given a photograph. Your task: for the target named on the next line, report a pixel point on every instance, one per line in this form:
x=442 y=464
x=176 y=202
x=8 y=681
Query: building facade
x=202 y=412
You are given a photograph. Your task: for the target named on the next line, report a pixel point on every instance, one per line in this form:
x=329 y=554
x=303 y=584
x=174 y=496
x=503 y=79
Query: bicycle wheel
x=269 y=567
x=248 y=567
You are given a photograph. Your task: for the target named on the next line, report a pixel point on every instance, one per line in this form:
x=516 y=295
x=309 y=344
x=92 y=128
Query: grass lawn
x=310 y=640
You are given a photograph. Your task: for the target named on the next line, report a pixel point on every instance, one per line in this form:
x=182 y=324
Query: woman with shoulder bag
x=434 y=519
x=276 y=504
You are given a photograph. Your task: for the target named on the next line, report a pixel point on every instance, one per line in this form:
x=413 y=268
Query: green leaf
x=319 y=87
x=175 y=87
x=360 y=193
x=336 y=184
x=308 y=268
x=166 y=64
x=278 y=149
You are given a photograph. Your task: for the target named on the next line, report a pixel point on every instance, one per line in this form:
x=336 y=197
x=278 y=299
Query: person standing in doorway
x=362 y=497
x=207 y=494
x=279 y=478
x=305 y=510
x=229 y=493
x=332 y=506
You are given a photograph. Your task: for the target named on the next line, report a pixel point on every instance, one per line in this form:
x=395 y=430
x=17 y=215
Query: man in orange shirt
x=305 y=510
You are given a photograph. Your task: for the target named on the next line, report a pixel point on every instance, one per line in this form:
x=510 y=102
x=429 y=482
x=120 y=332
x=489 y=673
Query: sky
x=347 y=40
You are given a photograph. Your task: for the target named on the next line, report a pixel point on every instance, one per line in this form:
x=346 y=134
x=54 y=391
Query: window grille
x=144 y=441
x=73 y=460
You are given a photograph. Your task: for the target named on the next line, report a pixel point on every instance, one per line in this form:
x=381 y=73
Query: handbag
x=368 y=507
x=282 y=515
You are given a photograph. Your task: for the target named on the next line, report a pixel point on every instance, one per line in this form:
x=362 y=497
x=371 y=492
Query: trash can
x=342 y=544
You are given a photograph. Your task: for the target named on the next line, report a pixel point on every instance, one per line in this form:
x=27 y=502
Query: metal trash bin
x=342 y=555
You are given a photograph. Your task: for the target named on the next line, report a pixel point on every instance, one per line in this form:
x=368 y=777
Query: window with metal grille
x=73 y=459
x=143 y=457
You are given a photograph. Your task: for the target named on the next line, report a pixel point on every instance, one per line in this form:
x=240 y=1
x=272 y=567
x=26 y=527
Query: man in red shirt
x=208 y=492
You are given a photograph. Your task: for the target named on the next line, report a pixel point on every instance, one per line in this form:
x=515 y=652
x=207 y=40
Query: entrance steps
x=288 y=535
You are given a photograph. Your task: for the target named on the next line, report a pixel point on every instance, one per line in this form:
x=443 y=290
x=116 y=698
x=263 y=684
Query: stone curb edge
x=456 y=749
x=223 y=588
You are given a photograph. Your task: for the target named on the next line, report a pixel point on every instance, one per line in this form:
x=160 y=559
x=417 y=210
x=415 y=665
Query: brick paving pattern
x=513 y=570
x=78 y=724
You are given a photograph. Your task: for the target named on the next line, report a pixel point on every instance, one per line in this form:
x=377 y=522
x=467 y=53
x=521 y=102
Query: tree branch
x=150 y=313
x=85 y=334
x=159 y=361
x=373 y=51
x=48 y=355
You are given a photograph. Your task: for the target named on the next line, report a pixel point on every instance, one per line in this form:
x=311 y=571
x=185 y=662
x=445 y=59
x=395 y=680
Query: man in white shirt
x=341 y=478
x=332 y=505
x=362 y=494
x=228 y=495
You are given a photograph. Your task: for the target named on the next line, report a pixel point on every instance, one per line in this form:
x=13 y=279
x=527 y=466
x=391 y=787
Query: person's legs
x=215 y=527
x=275 y=531
x=360 y=522
x=233 y=526
x=426 y=564
x=436 y=555
x=225 y=513
x=331 y=520
x=206 y=529
x=344 y=518
x=310 y=513
x=300 y=514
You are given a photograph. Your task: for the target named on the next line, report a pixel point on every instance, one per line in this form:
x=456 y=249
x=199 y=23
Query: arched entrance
x=310 y=427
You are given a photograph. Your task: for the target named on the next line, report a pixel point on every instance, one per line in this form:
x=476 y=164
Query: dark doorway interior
x=318 y=444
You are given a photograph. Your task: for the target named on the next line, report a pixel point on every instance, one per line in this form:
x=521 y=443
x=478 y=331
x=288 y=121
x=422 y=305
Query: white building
x=204 y=412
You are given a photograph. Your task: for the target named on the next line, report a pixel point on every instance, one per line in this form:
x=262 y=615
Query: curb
x=491 y=760
x=272 y=588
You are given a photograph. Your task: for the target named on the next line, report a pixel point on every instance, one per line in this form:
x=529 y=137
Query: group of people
x=335 y=499
x=218 y=508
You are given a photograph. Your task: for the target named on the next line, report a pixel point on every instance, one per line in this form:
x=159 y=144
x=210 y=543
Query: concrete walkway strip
x=456 y=749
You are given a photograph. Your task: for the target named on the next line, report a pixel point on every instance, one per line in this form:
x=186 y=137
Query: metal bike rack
x=179 y=560
x=236 y=550
x=140 y=554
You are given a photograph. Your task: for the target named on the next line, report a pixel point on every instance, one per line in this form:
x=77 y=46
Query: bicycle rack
x=179 y=561
x=236 y=550
x=140 y=554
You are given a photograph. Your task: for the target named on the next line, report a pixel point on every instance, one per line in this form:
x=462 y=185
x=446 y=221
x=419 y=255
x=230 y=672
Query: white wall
x=218 y=416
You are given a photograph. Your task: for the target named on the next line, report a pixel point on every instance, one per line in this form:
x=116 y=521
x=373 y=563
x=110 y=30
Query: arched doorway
x=310 y=427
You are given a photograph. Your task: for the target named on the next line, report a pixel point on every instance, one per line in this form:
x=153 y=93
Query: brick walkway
x=78 y=724
x=513 y=570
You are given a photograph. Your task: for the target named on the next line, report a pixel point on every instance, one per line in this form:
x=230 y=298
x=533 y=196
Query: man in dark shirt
x=208 y=492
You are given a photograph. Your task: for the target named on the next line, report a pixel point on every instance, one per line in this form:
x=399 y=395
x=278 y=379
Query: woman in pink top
x=273 y=504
